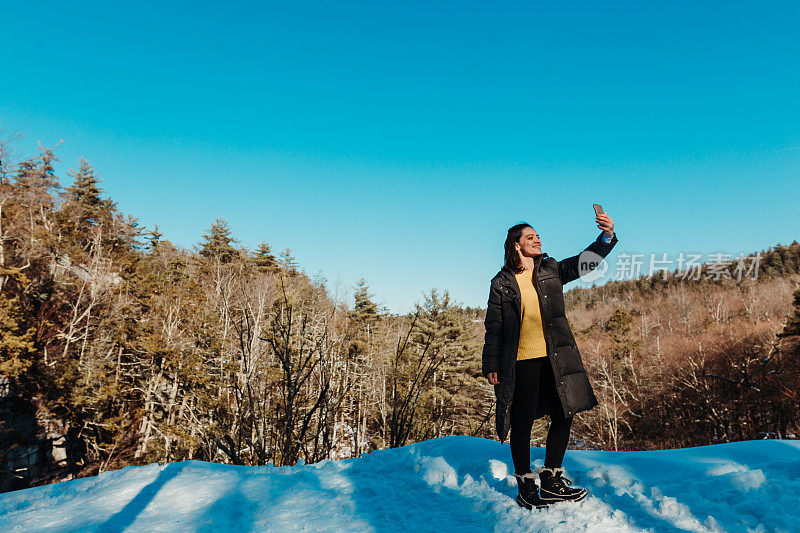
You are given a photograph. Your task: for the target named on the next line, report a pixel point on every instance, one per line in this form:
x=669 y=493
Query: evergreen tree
x=438 y=320
x=363 y=316
x=793 y=257
x=38 y=173
x=35 y=181
x=624 y=344
x=85 y=208
x=17 y=349
x=288 y=261
x=773 y=264
x=263 y=258
x=365 y=310
x=443 y=321
x=218 y=242
x=154 y=238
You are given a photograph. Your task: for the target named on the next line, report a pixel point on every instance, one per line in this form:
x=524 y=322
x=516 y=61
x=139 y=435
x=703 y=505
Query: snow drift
x=447 y=484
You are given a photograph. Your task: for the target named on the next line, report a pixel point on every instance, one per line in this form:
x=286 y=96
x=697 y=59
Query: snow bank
x=448 y=484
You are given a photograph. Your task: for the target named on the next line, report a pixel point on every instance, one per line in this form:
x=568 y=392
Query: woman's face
x=529 y=244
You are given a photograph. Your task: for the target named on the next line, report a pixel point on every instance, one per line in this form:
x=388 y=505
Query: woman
x=531 y=358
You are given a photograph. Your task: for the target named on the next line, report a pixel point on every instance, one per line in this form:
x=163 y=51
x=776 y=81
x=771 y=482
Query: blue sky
x=399 y=142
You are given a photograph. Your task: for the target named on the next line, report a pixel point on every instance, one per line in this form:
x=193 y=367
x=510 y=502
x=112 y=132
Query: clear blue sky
x=399 y=142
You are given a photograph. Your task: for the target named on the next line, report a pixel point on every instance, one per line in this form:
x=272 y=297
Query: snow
x=447 y=484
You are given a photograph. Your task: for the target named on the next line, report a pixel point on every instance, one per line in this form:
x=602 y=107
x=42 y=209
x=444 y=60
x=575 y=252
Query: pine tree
x=263 y=258
x=84 y=207
x=774 y=264
x=365 y=310
x=438 y=320
x=28 y=208
x=38 y=173
x=624 y=345
x=17 y=348
x=218 y=242
x=364 y=316
x=288 y=261
x=442 y=320
x=154 y=238
x=793 y=258
x=35 y=181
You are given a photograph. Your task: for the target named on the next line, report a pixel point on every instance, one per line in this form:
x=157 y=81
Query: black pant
x=534 y=383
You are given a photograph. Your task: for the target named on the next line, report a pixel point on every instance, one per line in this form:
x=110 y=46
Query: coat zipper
x=518 y=308
x=541 y=309
x=546 y=337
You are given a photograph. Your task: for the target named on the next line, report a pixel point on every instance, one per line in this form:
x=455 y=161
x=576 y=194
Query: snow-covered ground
x=448 y=484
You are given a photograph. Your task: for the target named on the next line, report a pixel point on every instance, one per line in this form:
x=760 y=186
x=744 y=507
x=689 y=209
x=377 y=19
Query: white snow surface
x=447 y=484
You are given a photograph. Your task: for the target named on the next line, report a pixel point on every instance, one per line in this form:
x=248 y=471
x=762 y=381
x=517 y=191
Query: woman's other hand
x=605 y=223
x=492 y=377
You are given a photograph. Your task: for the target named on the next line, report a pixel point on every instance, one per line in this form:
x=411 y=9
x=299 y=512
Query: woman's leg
x=554 y=486
x=557 y=441
x=523 y=407
x=558 y=434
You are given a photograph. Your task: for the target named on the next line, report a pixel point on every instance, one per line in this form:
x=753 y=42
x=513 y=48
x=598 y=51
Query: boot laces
x=559 y=481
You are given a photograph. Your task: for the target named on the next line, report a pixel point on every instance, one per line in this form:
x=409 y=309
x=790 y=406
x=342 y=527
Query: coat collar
x=536 y=262
x=509 y=275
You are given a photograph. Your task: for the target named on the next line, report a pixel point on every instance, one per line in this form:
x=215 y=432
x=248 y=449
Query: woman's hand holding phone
x=604 y=222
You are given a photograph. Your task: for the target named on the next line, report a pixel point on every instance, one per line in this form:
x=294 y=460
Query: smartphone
x=597 y=209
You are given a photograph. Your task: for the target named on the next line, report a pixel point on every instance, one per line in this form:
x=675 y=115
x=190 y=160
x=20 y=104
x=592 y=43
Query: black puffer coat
x=503 y=318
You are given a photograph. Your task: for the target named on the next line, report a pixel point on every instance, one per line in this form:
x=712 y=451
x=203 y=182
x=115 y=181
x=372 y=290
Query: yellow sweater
x=531 y=334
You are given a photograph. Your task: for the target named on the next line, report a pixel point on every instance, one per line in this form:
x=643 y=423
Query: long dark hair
x=513 y=261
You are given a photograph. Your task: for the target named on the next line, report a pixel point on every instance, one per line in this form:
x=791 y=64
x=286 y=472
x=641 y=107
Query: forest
x=119 y=348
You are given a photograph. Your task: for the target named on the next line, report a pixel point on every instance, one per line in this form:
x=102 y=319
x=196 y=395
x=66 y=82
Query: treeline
x=120 y=348
x=685 y=360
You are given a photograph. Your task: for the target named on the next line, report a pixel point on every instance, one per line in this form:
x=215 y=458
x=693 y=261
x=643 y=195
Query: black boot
x=554 y=486
x=528 y=496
